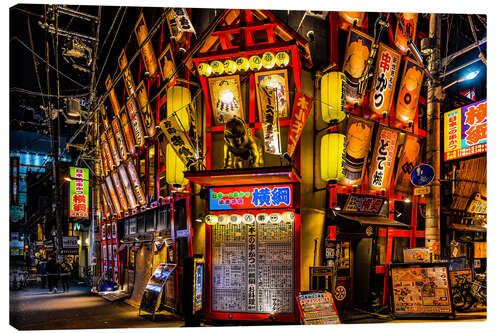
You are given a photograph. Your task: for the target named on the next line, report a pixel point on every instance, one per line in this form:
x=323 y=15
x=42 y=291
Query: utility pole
x=433 y=150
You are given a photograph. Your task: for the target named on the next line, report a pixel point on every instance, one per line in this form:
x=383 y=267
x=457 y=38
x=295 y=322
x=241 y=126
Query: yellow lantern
x=204 y=69
x=248 y=218
x=223 y=219
x=217 y=67
x=255 y=63
x=282 y=59
x=268 y=60
x=178 y=98
x=332 y=156
x=235 y=219
x=262 y=218
x=275 y=218
x=333 y=96
x=288 y=217
x=230 y=66
x=242 y=64
x=211 y=219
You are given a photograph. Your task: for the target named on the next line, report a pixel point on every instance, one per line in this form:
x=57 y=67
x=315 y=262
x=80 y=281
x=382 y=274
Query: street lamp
x=467 y=77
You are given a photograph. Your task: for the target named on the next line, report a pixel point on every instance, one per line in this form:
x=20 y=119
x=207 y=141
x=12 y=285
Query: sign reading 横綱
x=270 y=124
x=79 y=192
x=251 y=197
x=301 y=108
x=465 y=131
x=383 y=157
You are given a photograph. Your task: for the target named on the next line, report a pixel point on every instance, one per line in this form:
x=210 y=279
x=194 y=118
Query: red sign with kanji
x=301 y=108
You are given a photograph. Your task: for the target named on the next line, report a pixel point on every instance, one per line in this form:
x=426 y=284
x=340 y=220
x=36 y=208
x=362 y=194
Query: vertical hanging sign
x=182 y=20
x=301 y=108
x=104 y=114
x=178 y=139
x=409 y=92
x=127 y=132
x=383 y=157
x=270 y=124
x=112 y=95
x=355 y=62
x=14 y=173
x=128 y=80
x=135 y=121
x=147 y=51
x=119 y=190
x=120 y=139
x=407 y=162
x=112 y=145
x=107 y=151
x=127 y=187
x=407 y=27
x=384 y=81
x=252 y=267
x=112 y=193
x=107 y=199
x=139 y=192
x=145 y=110
x=79 y=192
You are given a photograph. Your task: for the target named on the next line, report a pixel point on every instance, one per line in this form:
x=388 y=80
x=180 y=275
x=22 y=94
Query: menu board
x=421 y=289
x=152 y=292
x=317 y=308
x=253 y=268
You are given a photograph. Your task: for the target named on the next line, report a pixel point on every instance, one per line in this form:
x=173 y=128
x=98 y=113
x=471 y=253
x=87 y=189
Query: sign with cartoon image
x=409 y=92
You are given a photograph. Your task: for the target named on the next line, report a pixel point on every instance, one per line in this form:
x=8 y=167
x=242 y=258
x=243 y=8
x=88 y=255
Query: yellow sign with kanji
x=178 y=139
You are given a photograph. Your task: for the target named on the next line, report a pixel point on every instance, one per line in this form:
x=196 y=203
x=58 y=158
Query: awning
x=467 y=227
x=372 y=220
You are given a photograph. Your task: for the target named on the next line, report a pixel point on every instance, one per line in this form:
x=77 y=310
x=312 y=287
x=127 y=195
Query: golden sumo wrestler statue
x=240 y=146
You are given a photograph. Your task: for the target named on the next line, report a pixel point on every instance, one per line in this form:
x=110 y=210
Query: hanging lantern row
x=247 y=218
x=255 y=63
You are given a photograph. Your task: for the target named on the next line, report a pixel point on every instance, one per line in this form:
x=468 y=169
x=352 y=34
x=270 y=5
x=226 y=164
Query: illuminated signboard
x=79 y=192
x=465 y=131
x=251 y=197
x=364 y=204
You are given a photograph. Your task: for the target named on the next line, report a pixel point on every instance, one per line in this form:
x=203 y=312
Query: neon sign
x=251 y=197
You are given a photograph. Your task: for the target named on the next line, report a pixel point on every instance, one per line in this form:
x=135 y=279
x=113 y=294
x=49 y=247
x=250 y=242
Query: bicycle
x=468 y=293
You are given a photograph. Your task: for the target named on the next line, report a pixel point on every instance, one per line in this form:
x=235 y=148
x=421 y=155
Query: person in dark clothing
x=52 y=268
x=42 y=272
x=66 y=269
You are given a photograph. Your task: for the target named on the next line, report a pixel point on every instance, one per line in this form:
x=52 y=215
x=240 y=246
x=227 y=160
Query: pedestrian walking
x=52 y=269
x=41 y=270
x=66 y=269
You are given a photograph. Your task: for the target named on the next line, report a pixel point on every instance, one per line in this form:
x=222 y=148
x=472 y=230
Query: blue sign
x=422 y=175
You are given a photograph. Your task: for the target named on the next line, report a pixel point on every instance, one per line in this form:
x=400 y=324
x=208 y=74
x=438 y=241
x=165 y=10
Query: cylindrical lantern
x=174 y=168
x=235 y=219
x=242 y=64
x=255 y=63
x=223 y=219
x=268 y=60
x=282 y=59
x=248 y=218
x=262 y=218
x=230 y=67
x=333 y=96
x=288 y=217
x=204 y=69
x=217 y=67
x=275 y=218
x=211 y=219
x=409 y=23
x=332 y=156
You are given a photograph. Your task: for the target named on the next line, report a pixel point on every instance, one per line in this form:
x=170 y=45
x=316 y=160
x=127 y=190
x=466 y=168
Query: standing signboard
x=152 y=291
x=79 y=192
x=317 y=308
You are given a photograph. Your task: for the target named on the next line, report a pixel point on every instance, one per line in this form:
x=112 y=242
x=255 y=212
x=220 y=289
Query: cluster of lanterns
x=247 y=218
x=255 y=63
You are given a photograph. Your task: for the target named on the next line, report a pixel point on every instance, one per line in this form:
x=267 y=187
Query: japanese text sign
x=301 y=108
x=465 y=131
x=182 y=20
x=135 y=121
x=407 y=162
x=178 y=139
x=270 y=124
x=251 y=197
x=364 y=204
x=383 y=157
x=79 y=192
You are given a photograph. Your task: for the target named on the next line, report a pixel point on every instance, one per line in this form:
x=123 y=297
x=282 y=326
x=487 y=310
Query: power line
x=34 y=93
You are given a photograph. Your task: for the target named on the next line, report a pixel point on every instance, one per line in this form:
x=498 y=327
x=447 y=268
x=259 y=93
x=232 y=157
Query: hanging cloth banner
x=179 y=141
x=104 y=162
x=147 y=50
x=127 y=131
x=301 y=108
x=355 y=62
x=108 y=205
x=359 y=137
x=145 y=110
x=408 y=161
x=112 y=95
x=107 y=151
x=112 y=193
x=409 y=92
x=127 y=187
x=135 y=121
x=104 y=114
x=139 y=193
x=409 y=23
x=120 y=140
x=112 y=145
x=270 y=122
x=384 y=81
x=102 y=207
x=383 y=157
x=182 y=20
x=119 y=190
x=128 y=80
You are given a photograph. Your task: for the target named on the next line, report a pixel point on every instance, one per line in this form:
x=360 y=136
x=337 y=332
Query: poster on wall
x=383 y=157
x=417 y=254
x=145 y=110
x=407 y=162
x=358 y=137
x=128 y=80
x=79 y=192
x=409 y=92
x=135 y=121
x=269 y=118
x=301 y=107
x=112 y=95
x=225 y=94
x=278 y=81
x=147 y=50
x=355 y=61
x=465 y=131
x=384 y=81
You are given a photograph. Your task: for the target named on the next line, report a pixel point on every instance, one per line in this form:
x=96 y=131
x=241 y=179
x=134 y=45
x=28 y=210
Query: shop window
x=162 y=169
x=381 y=249
x=402 y=212
x=399 y=243
x=180 y=215
x=125 y=227
x=140 y=224
x=163 y=222
x=151 y=173
x=150 y=221
x=132 y=226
